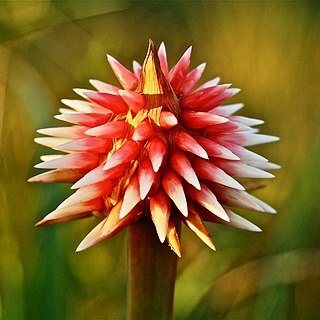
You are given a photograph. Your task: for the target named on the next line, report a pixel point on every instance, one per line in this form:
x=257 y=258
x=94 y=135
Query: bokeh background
x=271 y=50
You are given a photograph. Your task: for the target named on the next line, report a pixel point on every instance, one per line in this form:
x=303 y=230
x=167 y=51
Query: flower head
x=158 y=148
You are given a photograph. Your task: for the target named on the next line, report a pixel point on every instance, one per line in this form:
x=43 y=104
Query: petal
x=173 y=238
x=228 y=110
x=113 y=129
x=163 y=59
x=182 y=165
x=59 y=175
x=160 y=208
x=131 y=197
x=86 y=145
x=167 y=120
x=240 y=169
x=134 y=100
x=192 y=78
x=185 y=142
x=143 y=131
x=84 y=119
x=211 y=83
x=178 y=73
x=172 y=185
x=73 y=132
x=107 y=228
x=137 y=69
x=127 y=152
x=146 y=177
x=214 y=149
x=199 y=120
x=98 y=175
x=110 y=101
x=50 y=141
x=240 y=222
x=195 y=223
x=72 y=161
x=208 y=171
x=88 y=193
x=75 y=211
x=156 y=152
x=127 y=79
x=104 y=87
x=207 y=199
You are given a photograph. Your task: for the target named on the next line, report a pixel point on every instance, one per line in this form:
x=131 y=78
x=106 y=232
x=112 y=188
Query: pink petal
x=167 y=120
x=182 y=165
x=99 y=174
x=84 y=119
x=240 y=222
x=104 y=87
x=240 y=169
x=110 y=101
x=214 y=149
x=172 y=185
x=185 y=142
x=86 y=144
x=134 y=100
x=247 y=121
x=112 y=129
x=156 y=152
x=228 y=110
x=59 y=175
x=146 y=177
x=85 y=106
x=127 y=152
x=199 y=120
x=195 y=223
x=211 y=83
x=74 y=132
x=163 y=59
x=51 y=142
x=173 y=238
x=230 y=126
x=199 y=98
x=72 y=161
x=192 y=78
x=143 y=131
x=137 y=69
x=208 y=171
x=126 y=78
x=74 y=210
x=160 y=208
x=178 y=73
x=107 y=227
x=88 y=193
x=207 y=199
x=131 y=197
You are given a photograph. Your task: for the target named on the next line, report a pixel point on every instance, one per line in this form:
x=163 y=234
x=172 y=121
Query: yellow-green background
x=268 y=49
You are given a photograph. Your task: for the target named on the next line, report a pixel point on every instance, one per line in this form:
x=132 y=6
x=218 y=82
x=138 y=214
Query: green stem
x=152 y=274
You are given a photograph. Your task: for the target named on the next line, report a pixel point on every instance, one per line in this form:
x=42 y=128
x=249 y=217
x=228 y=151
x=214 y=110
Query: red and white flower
x=159 y=147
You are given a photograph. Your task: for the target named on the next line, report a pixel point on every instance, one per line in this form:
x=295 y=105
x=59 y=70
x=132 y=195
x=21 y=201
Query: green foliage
x=268 y=49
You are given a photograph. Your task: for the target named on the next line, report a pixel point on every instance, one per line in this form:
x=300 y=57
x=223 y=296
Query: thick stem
x=152 y=274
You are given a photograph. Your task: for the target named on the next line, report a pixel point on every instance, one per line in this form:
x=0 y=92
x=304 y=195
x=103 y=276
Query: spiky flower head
x=160 y=148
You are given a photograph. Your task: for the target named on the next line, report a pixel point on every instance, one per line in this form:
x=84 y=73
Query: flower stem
x=152 y=274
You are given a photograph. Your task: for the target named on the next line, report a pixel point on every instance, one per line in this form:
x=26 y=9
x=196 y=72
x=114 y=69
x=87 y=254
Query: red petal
x=173 y=187
x=84 y=119
x=192 y=78
x=86 y=144
x=185 y=142
x=113 y=129
x=167 y=120
x=182 y=165
x=143 y=131
x=134 y=100
x=131 y=196
x=127 y=152
x=160 y=208
x=146 y=177
x=126 y=78
x=156 y=151
x=110 y=101
x=198 y=120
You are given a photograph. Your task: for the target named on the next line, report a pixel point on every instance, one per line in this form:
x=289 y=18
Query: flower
x=157 y=148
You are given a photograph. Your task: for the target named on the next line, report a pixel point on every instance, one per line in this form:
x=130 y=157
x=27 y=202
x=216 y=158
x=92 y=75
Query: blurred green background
x=271 y=50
